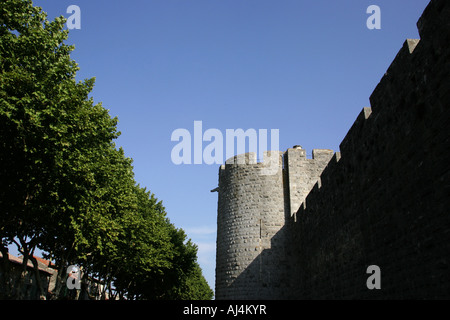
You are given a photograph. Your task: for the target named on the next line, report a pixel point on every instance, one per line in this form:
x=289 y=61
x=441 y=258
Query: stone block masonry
x=254 y=207
x=303 y=173
x=311 y=230
x=251 y=210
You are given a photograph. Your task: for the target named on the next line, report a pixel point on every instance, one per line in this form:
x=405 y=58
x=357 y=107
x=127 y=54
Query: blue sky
x=306 y=68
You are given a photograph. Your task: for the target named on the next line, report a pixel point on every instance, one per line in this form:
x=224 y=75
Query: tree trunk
x=24 y=248
x=59 y=280
x=62 y=270
x=37 y=275
x=19 y=294
x=5 y=281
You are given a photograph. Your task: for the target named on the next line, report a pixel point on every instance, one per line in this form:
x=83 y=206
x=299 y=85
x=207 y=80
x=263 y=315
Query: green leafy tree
x=51 y=131
x=144 y=247
x=194 y=286
x=64 y=186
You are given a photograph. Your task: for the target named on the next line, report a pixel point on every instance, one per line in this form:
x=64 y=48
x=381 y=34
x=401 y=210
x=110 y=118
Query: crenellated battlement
x=303 y=173
x=270 y=158
x=310 y=230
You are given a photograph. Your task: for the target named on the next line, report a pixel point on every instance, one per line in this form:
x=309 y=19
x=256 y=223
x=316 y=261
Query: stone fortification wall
x=382 y=200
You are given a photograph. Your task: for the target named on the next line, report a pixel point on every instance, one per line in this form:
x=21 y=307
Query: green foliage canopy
x=64 y=186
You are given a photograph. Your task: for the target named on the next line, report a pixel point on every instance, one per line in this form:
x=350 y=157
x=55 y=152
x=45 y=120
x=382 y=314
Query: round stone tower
x=251 y=214
x=256 y=202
